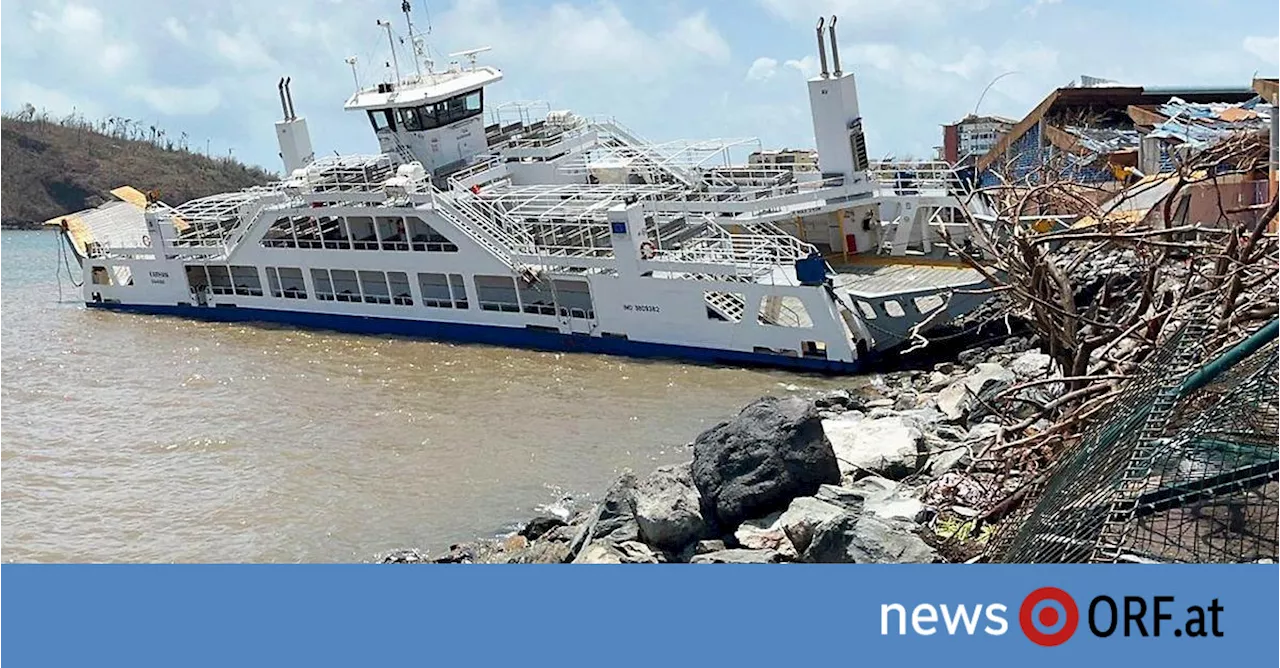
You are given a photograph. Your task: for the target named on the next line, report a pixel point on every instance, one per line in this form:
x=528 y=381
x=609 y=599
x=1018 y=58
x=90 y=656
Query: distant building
x=796 y=160
x=972 y=136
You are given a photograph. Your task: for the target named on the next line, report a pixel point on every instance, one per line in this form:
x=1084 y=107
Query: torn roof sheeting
x=1105 y=141
x=1203 y=125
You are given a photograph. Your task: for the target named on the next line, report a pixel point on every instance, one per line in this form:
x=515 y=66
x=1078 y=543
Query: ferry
x=522 y=225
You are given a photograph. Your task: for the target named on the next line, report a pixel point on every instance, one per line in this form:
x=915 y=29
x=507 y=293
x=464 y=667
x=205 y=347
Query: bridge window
x=431 y=116
x=411 y=119
x=382 y=119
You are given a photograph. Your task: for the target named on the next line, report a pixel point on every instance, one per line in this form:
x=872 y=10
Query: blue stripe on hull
x=515 y=337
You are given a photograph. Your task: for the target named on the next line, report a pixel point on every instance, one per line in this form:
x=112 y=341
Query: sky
x=668 y=69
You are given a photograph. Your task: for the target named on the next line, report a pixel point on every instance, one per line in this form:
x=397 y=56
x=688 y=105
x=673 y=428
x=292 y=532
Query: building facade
x=972 y=136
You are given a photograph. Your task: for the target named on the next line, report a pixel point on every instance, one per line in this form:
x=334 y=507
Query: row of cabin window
x=429 y=116
x=224 y=280
x=374 y=287
x=358 y=233
x=494 y=293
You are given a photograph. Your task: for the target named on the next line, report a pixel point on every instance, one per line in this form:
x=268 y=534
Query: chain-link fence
x=1183 y=470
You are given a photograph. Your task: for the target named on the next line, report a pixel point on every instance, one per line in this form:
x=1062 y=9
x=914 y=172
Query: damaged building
x=1130 y=141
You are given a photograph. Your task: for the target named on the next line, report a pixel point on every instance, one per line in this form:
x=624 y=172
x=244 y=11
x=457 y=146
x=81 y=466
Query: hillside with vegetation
x=56 y=166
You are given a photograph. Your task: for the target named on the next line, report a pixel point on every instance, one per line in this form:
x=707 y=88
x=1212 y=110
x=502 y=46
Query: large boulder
x=668 y=508
x=867 y=539
x=772 y=452
x=889 y=446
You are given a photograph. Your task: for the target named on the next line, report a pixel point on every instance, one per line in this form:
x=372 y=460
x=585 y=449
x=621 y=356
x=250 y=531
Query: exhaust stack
x=288 y=97
x=822 y=50
x=835 y=50
x=284 y=106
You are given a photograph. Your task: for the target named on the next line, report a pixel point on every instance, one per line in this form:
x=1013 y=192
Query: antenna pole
x=413 y=43
x=354 y=74
x=395 y=62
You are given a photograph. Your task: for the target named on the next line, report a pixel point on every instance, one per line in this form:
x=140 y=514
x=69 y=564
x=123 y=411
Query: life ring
x=146 y=240
x=648 y=250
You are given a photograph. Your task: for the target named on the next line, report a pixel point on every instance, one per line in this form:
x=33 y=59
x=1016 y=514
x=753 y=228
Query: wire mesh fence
x=1182 y=470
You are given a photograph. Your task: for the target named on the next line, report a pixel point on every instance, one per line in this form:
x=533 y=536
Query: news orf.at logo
x=1048 y=616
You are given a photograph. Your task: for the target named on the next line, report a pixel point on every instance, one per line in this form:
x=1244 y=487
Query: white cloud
x=177 y=100
x=1265 y=48
x=176 y=29
x=242 y=50
x=592 y=38
x=860 y=13
x=1035 y=7
x=695 y=33
x=807 y=66
x=83 y=27
x=762 y=69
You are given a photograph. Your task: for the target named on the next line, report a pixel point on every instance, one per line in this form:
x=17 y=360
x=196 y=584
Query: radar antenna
x=470 y=54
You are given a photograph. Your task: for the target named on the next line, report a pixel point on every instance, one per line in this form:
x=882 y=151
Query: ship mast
x=413 y=39
x=395 y=61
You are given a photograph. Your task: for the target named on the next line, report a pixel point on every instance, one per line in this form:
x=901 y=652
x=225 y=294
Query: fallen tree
x=1104 y=278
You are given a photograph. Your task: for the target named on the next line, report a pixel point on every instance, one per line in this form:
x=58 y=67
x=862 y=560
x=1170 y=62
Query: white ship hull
x=561 y=234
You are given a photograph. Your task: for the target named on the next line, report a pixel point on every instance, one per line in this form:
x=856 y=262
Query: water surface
x=141 y=438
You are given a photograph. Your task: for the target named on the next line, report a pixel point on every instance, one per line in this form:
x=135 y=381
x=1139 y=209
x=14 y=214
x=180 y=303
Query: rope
x=66 y=264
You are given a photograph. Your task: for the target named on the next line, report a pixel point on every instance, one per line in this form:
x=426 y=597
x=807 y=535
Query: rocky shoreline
x=879 y=474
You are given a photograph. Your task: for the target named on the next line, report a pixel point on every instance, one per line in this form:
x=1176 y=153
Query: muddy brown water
x=128 y=438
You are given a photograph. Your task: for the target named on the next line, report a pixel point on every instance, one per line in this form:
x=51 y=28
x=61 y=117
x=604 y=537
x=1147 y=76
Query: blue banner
x=639 y=615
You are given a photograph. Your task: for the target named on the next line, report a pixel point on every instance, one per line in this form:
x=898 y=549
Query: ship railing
x=447 y=207
x=634 y=146
x=488 y=170
x=916 y=177
x=756 y=255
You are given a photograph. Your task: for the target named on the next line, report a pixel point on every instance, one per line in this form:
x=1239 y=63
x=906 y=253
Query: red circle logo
x=1048 y=616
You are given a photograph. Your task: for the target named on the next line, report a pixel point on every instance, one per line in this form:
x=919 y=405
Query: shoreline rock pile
x=852 y=476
